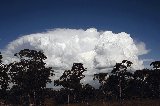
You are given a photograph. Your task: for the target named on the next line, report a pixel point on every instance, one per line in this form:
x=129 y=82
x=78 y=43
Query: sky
x=139 y=18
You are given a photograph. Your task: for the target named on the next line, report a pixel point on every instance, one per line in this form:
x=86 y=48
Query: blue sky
x=140 y=18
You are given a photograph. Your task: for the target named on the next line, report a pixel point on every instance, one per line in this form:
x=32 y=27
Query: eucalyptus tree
x=155 y=64
x=121 y=76
x=154 y=78
x=140 y=84
x=70 y=79
x=87 y=93
x=4 y=79
x=30 y=74
x=102 y=78
x=114 y=84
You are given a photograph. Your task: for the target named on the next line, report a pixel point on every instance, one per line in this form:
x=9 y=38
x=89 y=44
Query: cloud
x=141 y=48
x=97 y=50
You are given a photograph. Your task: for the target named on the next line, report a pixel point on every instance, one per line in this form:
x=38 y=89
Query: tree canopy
x=30 y=73
x=4 y=79
x=29 y=76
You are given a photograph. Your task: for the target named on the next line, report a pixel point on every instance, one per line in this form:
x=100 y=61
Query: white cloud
x=141 y=48
x=97 y=50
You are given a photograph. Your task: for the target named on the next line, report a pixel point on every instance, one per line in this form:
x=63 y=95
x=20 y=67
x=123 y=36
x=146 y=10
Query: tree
x=155 y=78
x=156 y=64
x=112 y=86
x=4 y=80
x=71 y=78
x=122 y=76
x=30 y=74
x=102 y=78
x=87 y=93
x=140 y=84
x=148 y=83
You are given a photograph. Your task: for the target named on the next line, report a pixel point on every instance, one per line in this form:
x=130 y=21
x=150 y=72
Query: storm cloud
x=97 y=50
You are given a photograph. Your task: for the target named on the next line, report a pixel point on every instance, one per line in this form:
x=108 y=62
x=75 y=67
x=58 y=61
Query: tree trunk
x=68 y=99
x=120 y=90
x=30 y=103
x=159 y=90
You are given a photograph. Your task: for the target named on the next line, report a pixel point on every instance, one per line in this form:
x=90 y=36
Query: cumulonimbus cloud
x=97 y=50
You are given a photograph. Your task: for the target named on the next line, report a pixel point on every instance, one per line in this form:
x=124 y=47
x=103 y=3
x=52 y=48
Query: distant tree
x=71 y=78
x=87 y=93
x=148 y=83
x=102 y=78
x=14 y=95
x=121 y=76
x=156 y=64
x=1 y=57
x=140 y=83
x=30 y=74
x=154 y=79
x=115 y=84
x=4 y=80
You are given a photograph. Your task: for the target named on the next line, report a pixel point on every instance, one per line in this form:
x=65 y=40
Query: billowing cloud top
x=97 y=50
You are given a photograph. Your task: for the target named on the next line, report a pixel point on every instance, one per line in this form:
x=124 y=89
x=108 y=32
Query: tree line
x=24 y=82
